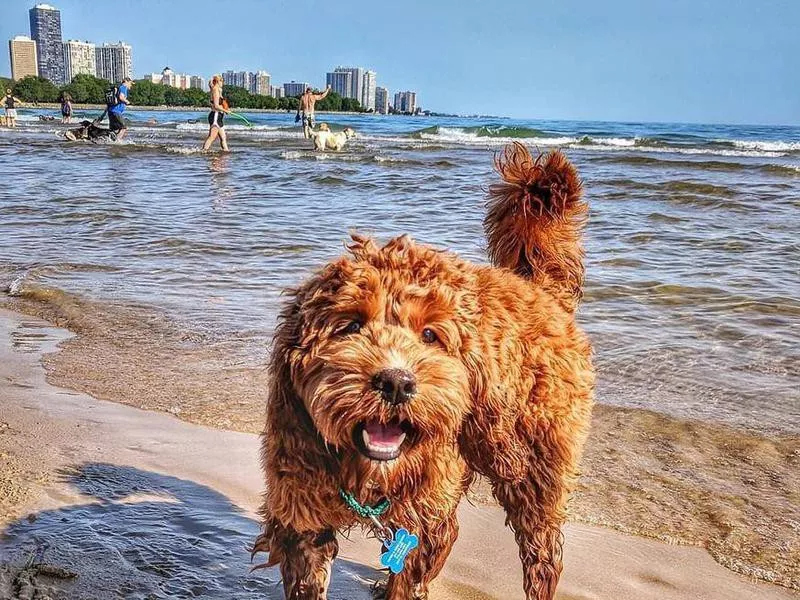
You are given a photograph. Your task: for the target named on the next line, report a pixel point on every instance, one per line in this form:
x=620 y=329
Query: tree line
x=88 y=89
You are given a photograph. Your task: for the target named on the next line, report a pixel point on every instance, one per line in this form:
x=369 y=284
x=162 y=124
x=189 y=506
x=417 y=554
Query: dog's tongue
x=381 y=434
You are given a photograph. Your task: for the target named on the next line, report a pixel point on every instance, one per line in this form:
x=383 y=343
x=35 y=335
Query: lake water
x=693 y=253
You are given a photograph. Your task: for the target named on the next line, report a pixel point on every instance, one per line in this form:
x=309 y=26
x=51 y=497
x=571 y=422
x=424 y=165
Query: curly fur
x=504 y=388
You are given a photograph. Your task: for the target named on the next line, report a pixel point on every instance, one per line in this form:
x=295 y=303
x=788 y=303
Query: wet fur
x=89 y=131
x=505 y=391
x=325 y=139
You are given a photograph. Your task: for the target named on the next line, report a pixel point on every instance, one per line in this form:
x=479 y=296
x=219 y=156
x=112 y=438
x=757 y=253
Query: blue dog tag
x=398 y=549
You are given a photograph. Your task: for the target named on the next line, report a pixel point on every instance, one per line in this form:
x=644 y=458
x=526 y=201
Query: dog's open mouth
x=382 y=441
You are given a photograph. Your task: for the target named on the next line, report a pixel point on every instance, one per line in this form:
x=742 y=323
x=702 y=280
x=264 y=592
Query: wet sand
x=735 y=493
x=143 y=503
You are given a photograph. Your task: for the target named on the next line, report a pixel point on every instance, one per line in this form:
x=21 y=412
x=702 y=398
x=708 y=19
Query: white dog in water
x=325 y=139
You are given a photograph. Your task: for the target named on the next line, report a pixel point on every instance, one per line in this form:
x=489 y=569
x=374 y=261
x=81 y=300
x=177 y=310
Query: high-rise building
x=340 y=82
x=22 y=51
x=277 y=91
x=114 y=61
x=168 y=77
x=46 y=32
x=237 y=78
x=381 y=100
x=79 y=57
x=356 y=81
x=405 y=102
x=260 y=83
x=178 y=80
x=293 y=89
x=368 y=87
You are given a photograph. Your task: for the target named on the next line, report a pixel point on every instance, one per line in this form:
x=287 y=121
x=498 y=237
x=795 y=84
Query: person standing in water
x=306 y=109
x=115 y=122
x=216 y=122
x=66 y=108
x=10 y=102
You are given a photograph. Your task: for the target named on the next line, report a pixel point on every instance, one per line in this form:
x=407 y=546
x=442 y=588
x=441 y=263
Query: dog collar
x=361 y=510
x=397 y=544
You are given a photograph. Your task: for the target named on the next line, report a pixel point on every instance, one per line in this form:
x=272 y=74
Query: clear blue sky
x=729 y=61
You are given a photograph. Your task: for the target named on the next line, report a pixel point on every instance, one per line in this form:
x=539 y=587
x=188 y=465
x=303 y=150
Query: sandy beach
x=142 y=505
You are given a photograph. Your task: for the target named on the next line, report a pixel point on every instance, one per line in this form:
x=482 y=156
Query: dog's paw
x=379 y=590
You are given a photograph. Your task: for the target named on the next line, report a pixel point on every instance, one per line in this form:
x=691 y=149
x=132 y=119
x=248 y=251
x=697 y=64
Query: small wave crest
x=763 y=146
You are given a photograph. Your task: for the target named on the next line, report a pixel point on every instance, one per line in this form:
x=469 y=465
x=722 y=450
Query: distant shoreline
x=202 y=109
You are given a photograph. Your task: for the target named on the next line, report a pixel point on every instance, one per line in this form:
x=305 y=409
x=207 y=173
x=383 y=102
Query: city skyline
x=680 y=61
x=45 y=54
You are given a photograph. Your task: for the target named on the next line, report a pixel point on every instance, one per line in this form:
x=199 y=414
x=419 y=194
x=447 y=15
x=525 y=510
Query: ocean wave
x=184 y=150
x=202 y=125
x=766 y=146
x=312 y=155
x=609 y=141
x=664 y=143
x=678 y=150
x=782 y=169
x=703 y=165
x=458 y=135
x=481 y=131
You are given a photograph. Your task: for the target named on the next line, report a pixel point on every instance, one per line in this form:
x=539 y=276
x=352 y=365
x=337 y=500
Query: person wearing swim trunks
x=216 y=118
x=115 y=121
x=10 y=102
x=306 y=109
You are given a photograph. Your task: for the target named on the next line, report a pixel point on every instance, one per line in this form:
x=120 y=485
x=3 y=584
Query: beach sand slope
x=99 y=499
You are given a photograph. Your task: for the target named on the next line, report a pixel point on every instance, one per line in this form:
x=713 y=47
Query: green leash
x=241 y=118
x=365 y=512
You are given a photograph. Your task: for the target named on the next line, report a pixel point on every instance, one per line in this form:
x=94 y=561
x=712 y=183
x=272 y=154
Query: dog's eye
x=352 y=327
x=428 y=336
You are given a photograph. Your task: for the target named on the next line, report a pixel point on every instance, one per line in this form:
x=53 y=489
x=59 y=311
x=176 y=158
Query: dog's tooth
x=365 y=437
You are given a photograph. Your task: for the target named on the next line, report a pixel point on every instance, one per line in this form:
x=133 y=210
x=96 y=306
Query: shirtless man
x=306 y=109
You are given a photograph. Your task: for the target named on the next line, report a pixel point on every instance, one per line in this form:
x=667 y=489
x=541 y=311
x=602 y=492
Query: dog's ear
x=291 y=453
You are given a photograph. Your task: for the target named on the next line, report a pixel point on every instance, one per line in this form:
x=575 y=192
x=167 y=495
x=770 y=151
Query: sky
x=709 y=61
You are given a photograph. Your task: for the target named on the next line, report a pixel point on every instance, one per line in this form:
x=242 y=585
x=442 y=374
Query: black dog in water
x=90 y=131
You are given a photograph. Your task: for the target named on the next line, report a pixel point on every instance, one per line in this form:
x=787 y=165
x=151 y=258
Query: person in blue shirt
x=115 y=120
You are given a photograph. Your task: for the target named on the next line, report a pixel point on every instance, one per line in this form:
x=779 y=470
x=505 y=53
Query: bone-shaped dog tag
x=398 y=549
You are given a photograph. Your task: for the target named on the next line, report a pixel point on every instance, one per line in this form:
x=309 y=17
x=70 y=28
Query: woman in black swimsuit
x=216 y=123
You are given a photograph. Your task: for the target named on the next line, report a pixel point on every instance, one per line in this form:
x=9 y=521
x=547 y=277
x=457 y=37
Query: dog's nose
x=395 y=385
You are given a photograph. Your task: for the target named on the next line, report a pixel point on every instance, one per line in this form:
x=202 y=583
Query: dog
x=325 y=139
x=89 y=130
x=400 y=372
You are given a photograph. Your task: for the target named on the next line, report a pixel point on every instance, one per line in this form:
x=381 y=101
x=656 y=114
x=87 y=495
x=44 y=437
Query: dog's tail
x=534 y=220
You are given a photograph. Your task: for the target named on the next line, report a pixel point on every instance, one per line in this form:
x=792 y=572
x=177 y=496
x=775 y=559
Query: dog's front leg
x=305 y=559
x=424 y=563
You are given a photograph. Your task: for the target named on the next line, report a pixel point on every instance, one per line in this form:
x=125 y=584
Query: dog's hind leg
x=535 y=515
x=305 y=559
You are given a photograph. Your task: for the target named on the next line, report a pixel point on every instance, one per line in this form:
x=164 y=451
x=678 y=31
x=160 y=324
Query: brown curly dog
x=400 y=372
